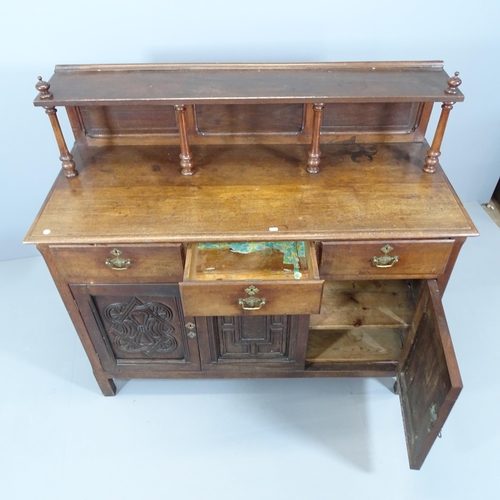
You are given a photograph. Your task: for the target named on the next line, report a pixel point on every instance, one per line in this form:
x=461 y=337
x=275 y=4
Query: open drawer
x=377 y=328
x=256 y=278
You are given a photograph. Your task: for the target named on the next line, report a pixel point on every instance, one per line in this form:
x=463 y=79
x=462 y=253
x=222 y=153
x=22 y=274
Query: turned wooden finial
x=453 y=84
x=43 y=89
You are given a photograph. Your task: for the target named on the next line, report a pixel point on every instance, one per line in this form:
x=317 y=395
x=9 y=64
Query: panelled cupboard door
x=240 y=344
x=428 y=377
x=138 y=330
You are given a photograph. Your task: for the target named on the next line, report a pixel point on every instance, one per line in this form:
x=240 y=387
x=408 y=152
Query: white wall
x=34 y=36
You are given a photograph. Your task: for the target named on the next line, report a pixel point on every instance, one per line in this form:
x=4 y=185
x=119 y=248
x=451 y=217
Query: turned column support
x=185 y=156
x=66 y=157
x=315 y=154
x=432 y=158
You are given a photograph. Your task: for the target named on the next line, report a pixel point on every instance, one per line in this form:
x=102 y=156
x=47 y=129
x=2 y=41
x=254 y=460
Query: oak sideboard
x=258 y=220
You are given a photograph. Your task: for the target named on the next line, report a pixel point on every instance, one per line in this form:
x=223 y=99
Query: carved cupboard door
x=252 y=343
x=428 y=379
x=138 y=330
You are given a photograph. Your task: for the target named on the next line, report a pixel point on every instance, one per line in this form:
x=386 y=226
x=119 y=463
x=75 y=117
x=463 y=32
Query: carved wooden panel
x=137 y=325
x=142 y=329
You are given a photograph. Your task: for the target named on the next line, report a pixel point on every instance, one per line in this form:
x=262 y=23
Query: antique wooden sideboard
x=258 y=220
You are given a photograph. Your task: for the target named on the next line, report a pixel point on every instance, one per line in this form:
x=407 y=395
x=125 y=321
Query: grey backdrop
x=35 y=36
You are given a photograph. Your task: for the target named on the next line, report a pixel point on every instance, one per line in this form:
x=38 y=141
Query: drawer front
x=391 y=259
x=119 y=263
x=236 y=298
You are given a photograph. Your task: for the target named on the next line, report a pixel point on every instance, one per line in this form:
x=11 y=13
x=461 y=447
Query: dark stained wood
x=246 y=119
x=43 y=89
x=428 y=376
x=250 y=83
x=388 y=117
x=122 y=125
x=145 y=120
x=453 y=83
x=252 y=344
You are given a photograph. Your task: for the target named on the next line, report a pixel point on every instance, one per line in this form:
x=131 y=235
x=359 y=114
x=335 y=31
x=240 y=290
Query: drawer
x=119 y=263
x=232 y=279
x=391 y=259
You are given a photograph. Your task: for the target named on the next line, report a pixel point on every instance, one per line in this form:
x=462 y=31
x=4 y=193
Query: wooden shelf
x=354 y=345
x=370 y=304
x=420 y=81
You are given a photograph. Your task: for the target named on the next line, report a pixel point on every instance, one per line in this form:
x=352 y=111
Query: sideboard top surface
x=97 y=85
x=250 y=192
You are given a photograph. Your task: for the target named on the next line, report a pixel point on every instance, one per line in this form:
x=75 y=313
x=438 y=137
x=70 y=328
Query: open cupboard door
x=428 y=378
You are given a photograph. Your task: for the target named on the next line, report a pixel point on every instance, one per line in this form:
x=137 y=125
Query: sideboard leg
x=107 y=385
x=395 y=387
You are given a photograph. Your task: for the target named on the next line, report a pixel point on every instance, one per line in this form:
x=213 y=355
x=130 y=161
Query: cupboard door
x=428 y=377
x=252 y=343
x=138 y=330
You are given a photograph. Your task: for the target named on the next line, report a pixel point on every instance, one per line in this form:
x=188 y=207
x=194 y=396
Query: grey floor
x=238 y=439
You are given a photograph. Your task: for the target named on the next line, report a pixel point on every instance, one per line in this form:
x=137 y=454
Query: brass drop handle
x=384 y=261
x=251 y=303
x=118 y=264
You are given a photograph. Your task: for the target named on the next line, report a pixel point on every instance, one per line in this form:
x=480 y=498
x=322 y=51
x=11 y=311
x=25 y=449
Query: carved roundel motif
x=141 y=327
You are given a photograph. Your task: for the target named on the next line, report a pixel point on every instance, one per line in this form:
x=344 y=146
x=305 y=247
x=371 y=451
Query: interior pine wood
x=252 y=83
x=136 y=195
x=367 y=304
x=224 y=264
x=354 y=345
